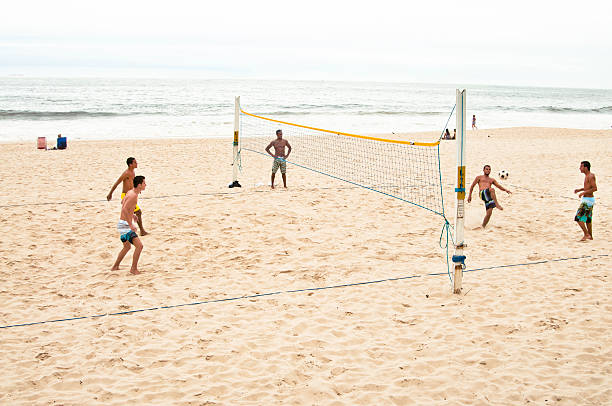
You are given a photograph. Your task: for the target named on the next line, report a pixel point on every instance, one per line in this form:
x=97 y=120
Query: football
x=504 y=174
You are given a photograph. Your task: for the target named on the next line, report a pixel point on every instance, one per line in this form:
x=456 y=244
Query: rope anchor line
x=345 y=285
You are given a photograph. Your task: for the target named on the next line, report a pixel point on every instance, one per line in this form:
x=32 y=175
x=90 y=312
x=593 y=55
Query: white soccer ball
x=504 y=174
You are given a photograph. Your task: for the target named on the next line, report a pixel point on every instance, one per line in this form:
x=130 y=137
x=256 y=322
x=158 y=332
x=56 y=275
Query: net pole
x=459 y=256
x=236 y=134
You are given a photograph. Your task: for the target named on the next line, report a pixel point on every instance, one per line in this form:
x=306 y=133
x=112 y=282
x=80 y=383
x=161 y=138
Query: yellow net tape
x=421 y=144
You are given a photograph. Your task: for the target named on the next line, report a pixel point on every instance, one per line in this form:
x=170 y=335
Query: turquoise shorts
x=585 y=211
x=129 y=236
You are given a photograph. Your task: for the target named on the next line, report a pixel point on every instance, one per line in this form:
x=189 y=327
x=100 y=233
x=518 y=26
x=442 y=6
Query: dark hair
x=447 y=132
x=483 y=168
x=138 y=180
x=130 y=160
x=586 y=164
x=278 y=131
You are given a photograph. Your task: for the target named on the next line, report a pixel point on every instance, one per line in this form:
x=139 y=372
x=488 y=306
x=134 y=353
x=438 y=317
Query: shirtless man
x=127 y=177
x=279 y=155
x=584 y=215
x=126 y=227
x=487 y=193
x=474 y=122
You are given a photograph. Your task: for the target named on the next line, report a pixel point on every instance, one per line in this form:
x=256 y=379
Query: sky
x=531 y=43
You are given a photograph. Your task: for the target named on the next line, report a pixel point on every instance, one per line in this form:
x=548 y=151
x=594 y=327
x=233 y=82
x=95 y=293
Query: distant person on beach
x=126 y=228
x=280 y=158
x=454 y=133
x=487 y=193
x=127 y=177
x=447 y=134
x=474 y=122
x=584 y=215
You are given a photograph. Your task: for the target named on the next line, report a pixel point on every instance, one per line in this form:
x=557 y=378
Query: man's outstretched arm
x=500 y=186
x=110 y=194
x=472 y=188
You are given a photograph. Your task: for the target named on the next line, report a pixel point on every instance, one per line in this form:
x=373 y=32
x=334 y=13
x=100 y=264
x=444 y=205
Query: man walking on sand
x=127 y=177
x=126 y=228
x=487 y=193
x=474 y=122
x=584 y=215
x=280 y=157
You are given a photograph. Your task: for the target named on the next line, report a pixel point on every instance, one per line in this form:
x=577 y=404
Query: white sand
x=536 y=333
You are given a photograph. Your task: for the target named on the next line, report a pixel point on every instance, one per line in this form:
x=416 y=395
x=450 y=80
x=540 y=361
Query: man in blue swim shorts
x=126 y=227
x=584 y=215
x=487 y=193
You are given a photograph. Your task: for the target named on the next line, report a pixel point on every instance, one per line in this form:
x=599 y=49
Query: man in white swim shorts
x=126 y=227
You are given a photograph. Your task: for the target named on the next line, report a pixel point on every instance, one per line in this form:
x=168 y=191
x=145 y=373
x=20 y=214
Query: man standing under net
x=280 y=158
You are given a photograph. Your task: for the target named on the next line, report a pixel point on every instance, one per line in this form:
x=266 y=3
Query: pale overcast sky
x=548 y=43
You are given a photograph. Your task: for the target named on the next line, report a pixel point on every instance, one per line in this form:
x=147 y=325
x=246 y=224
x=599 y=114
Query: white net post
x=235 y=160
x=459 y=257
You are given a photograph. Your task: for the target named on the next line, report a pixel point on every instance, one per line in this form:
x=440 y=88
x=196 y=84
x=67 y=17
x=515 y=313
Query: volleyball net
x=405 y=170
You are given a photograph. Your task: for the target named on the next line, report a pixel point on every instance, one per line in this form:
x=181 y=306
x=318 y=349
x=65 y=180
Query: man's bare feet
x=272 y=187
x=143 y=232
x=115 y=268
x=478 y=228
x=135 y=272
x=585 y=238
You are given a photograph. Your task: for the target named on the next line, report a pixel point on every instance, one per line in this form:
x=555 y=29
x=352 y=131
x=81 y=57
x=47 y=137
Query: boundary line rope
x=6 y=206
x=344 y=285
x=166 y=197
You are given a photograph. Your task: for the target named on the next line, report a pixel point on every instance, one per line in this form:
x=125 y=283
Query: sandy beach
x=534 y=333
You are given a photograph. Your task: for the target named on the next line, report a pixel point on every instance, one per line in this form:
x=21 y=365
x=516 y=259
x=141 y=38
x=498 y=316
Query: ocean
x=119 y=108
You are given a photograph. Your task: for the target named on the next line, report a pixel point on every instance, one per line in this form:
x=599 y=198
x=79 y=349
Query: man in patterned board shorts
x=280 y=158
x=584 y=215
x=487 y=193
